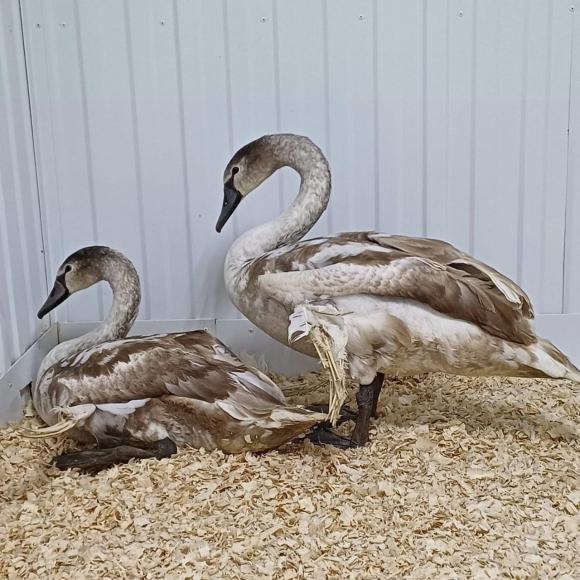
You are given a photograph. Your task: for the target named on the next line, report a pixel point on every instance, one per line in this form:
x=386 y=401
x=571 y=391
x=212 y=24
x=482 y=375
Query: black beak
x=232 y=198
x=58 y=294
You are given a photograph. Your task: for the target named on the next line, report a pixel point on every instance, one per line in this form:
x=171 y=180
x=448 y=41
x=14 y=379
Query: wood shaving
x=475 y=478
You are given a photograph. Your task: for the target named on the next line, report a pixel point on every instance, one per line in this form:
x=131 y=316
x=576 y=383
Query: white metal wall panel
x=22 y=279
x=303 y=91
x=457 y=72
x=399 y=102
x=201 y=50
x=572 y=262
x=351 y=114
x=544 y=156
x=447 y=119
x=520 y=124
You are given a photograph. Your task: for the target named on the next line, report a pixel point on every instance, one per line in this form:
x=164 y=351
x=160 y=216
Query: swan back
x=193 y=365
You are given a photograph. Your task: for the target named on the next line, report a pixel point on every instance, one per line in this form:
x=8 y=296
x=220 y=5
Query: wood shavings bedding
x=474 y=478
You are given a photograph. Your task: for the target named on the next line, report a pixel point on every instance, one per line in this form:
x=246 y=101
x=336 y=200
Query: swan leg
x=96 y=459
x=366 y=399
x=378 y=385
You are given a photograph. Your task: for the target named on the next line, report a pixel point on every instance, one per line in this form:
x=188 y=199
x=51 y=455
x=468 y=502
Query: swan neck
x=124 y=282
x=299 y=218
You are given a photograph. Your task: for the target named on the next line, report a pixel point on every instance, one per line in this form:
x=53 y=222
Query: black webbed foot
x=321 y=435
x=97 y=459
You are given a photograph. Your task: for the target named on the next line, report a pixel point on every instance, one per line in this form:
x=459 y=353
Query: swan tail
x=69 y=417
x=553 y=363
x=50 y=431
x=284 y=424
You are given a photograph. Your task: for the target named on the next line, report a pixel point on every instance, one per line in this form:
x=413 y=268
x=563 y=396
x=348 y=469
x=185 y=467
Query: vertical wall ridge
x=23 y=283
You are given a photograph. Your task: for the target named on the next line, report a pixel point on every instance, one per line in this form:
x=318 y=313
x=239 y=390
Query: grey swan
x=143 y=396
x=371 y=304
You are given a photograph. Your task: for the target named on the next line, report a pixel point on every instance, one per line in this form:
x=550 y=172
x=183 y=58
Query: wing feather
x=429 y=271
x=193 y=365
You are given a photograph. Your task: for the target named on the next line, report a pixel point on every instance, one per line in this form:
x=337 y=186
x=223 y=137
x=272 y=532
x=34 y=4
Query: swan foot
x=344 y=415
x=97 y=459
x=322 y=436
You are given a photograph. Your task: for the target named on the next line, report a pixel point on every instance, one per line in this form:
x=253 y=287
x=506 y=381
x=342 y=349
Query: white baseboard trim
x=240 y=335
x=245 y=338
x=20 y=374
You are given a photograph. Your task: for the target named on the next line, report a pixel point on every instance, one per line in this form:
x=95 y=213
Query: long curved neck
x=124 y=282
x=306 y=158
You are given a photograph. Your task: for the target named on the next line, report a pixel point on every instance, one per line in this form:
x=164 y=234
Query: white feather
x=127 y=408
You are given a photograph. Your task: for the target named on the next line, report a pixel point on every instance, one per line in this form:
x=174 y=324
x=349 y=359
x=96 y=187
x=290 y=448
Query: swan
x=371 y=304
x=143 y=396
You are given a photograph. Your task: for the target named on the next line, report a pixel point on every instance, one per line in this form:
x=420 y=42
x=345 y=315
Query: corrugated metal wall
x=22 y=277
x=444 y=118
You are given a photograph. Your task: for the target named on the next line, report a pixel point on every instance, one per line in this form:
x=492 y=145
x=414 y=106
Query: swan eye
x=67 y=268
x=235 y=170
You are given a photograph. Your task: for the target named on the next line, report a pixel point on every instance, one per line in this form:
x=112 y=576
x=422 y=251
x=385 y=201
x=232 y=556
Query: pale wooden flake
x=463 y=478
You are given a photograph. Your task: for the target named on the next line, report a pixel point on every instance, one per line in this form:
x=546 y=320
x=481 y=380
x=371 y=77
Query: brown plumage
x=430 y=271
x=371 y=303
x=186 y=388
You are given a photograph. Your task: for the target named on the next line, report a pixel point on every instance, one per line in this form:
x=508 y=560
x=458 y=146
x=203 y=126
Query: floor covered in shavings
x=475 y=478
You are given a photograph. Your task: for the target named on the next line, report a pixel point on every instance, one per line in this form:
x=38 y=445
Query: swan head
x=81 y=270
x=248 y=168
x=255 y=162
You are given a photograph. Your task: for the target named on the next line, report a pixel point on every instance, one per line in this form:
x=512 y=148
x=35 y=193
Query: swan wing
x=193 y=365
x=429 y=271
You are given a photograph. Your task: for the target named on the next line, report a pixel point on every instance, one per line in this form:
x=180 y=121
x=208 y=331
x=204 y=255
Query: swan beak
x=58 y=294
x=232 y=198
